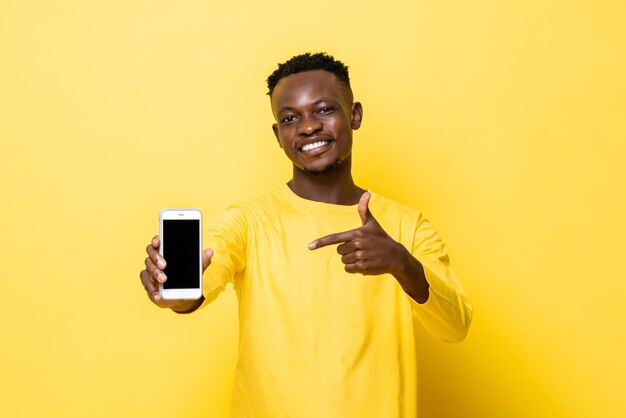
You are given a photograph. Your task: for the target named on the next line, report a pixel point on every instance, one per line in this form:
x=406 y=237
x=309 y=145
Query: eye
x=325 y=110
x=288 y=119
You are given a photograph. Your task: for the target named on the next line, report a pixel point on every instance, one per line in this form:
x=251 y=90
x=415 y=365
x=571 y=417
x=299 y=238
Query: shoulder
x=400 y=221
x=392 y=209
x=239 y=218
x=412 y=228
x=259 y=203
x=258 y=207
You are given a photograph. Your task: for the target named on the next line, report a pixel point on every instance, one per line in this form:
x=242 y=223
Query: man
x=326 y=317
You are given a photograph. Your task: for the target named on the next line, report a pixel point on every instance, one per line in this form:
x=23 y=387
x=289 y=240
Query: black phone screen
x=181 y=249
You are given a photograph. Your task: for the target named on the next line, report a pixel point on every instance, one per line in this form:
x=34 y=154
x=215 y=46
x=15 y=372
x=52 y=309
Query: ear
x=356 y=115
x=275 y=129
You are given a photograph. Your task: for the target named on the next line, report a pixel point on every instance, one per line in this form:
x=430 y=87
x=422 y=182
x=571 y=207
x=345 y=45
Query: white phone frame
x=181 y=214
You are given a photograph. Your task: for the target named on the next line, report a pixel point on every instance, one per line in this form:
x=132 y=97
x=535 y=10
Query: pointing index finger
x=331 y=239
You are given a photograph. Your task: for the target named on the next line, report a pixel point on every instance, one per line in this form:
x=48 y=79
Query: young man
x=330 y=277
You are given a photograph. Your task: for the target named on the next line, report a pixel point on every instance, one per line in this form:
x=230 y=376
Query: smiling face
x=315 y=117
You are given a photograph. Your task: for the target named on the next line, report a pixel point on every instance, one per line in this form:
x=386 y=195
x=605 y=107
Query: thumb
x=206 y=258
x=364 y=210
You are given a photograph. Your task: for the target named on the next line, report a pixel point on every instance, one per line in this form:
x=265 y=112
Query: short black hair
x=309 y=62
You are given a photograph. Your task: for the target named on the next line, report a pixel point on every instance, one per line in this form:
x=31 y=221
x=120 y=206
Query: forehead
x=307 y=87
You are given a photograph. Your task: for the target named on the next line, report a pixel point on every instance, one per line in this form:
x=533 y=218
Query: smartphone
x=180 y=231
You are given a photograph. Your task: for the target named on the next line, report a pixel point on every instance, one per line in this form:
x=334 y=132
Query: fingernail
x=312 y=245
x=161 y=277
x=155 y=296
x=161 y=263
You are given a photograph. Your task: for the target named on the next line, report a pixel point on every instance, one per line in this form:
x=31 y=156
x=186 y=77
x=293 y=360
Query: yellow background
x=503 y=121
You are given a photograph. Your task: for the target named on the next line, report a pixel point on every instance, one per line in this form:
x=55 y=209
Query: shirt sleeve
x=447 y=314
x=226 y=236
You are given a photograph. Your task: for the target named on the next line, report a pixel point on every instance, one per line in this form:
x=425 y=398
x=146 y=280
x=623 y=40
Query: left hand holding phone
x=153 y=276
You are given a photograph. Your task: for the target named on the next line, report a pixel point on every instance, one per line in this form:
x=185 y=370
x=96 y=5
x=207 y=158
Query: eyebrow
x=323 y=99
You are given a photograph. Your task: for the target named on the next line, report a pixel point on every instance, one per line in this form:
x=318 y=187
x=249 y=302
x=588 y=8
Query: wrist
x=401 y=267
x=410 y=274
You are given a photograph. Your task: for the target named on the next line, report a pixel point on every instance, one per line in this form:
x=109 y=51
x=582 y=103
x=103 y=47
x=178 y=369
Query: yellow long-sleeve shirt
x=316 y=341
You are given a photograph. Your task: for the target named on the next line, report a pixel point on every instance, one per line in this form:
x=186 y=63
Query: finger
x=348 y=247
x=364 y=210
x=333 y=239
x=148 y=284
x=351 y=268
x=152 y=289
x=206 y=258
x=360 y=267
x=153 y=253
x=350 y=258
x=156 y=274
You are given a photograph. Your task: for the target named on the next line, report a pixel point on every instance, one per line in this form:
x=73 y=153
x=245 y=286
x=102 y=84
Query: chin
x=329 y=168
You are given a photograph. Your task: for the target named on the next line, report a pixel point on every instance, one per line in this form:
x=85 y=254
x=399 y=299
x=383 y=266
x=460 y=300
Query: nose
x=309 y=125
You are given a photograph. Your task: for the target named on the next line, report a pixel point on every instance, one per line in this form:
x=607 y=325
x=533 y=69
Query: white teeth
x=314 y=145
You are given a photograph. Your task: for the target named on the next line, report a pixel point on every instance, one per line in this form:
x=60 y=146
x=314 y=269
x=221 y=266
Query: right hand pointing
x=153 y=275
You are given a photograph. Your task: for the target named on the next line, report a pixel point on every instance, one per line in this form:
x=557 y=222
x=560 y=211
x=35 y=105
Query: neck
x=336 y=186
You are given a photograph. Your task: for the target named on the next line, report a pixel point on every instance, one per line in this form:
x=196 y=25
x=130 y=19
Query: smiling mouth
x=313 y=146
